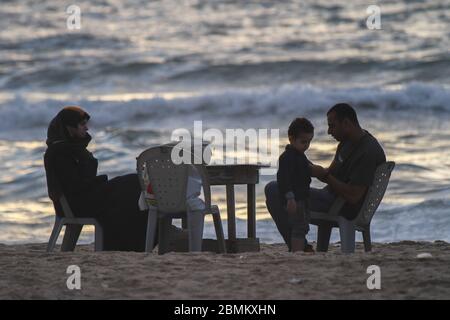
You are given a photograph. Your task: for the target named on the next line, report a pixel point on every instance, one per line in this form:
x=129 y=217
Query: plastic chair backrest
x=375 y=193
x=168 y=180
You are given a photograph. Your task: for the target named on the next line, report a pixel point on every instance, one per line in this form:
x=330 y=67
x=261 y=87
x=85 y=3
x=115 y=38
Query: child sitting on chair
x=294 y=178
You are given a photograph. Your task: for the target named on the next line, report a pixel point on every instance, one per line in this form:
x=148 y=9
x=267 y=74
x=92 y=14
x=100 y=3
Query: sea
x=144 y=69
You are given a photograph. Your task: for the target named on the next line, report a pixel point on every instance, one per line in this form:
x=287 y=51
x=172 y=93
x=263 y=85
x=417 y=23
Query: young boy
x=294 y=178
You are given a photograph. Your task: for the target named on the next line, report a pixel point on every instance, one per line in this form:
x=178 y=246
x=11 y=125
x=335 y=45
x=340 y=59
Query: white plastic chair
x=169 y=184
x=347 y=229
x=74 y=226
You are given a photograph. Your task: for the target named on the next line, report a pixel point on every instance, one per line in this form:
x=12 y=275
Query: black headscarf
x=57 y=130
x=59 y=140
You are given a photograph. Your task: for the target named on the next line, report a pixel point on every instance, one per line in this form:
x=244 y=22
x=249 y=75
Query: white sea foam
x=20 y=111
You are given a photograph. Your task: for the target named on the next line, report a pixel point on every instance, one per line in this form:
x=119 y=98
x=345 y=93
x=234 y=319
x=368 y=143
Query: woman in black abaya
x=72 y=170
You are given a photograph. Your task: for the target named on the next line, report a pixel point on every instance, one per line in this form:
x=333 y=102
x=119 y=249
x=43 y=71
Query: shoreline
x=28 y=272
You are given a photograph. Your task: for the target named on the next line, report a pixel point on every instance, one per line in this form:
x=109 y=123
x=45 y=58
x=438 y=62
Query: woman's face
x=80 y=131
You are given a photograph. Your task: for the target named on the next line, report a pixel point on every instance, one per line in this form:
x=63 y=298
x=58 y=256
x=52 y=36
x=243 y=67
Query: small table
x=231 y=175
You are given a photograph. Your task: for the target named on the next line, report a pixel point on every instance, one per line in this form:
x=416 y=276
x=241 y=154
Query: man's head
x=75 y=120
x=300 y=133
x=342 y=121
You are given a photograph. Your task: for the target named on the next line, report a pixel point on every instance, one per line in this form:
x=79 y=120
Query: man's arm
x=351 y=194
x=360 y=179
x=332 y=165
x=317 y=171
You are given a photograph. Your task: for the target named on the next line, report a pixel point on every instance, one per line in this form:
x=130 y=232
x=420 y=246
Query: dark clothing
x=356 y=165
x=72 y=170
x=294 y=178
x=299 y=222
x=294 y=175
x=279 y=213
x=125 y=224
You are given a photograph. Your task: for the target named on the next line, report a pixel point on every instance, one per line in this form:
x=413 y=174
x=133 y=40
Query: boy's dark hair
x=344 y=111
x=299 y=126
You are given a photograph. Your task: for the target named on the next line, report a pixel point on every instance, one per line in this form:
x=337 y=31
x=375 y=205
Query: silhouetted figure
x=72 y=170
x=349 y=175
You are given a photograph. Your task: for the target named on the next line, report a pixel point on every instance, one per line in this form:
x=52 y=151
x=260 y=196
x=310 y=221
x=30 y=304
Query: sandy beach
x=28 y=272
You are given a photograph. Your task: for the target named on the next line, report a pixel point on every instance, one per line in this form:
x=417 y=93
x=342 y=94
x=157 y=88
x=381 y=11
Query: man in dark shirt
x=349 y=175
x=353 y=168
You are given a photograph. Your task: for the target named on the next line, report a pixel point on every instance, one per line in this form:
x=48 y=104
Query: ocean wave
x=410 y=166
x=76 y=70
x=427 y=220
x=226 y=43
x=67 y=41
x=289 y=69
x=350 y=71
x=19 y=112
x=86 y=71
x=431 y=204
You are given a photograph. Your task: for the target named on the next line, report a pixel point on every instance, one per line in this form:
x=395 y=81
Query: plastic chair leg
x=323 y=237
x=164 y=234
x=71 y=236
x=55 y=234
x=367 y=240
x=219 y=233
x=152 y=227
x=347 y=233
x=195 y=222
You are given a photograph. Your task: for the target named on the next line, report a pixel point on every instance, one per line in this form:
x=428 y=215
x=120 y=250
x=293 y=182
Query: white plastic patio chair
x=169 y=184
x=74 y=226
x=347 y=229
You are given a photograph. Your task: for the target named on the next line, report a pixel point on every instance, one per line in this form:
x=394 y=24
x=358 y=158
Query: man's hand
x=291 y=206
x=319 y=172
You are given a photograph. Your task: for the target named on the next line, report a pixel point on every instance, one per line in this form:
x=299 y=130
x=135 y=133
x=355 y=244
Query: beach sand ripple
x=28 y=272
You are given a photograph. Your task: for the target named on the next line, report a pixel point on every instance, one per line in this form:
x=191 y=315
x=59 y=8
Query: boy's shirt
x=294 y=175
